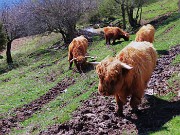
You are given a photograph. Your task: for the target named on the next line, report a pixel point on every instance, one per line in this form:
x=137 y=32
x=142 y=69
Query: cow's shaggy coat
x=127 y=74
x=114 y=33
x=145 y=33
x=77 y=51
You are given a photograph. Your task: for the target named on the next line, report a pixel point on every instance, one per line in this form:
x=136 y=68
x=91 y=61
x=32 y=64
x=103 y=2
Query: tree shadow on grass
x=118 y=42
x=164 y=19
x=159 y=113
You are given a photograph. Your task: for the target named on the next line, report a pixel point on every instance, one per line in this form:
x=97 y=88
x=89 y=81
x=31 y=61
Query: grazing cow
x=77 y=51
x=145 y=33
x=127 y=74
x=114 y=33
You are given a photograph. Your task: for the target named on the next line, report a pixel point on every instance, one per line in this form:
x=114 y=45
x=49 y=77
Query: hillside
x=40 y=95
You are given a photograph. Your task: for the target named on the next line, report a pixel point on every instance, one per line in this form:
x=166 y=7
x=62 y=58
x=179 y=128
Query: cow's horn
x=124 y=65
x=73 y=59
x=92 y=57
x=94 y=63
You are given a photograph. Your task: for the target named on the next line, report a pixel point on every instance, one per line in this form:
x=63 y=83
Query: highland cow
x=114 y=33
x=127 y=74
x=145 y=33
x=77 y=52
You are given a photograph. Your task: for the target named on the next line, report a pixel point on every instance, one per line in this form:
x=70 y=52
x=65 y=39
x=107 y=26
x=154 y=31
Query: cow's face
x=111 y=73
x=106 y=86
x=80 y=60
x=126 y=36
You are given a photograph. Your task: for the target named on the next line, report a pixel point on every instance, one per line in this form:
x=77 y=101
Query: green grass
x=57 y=111
x=167 y=34
x=159 y=7
x=17 y=85
x=38 y=69
x=176 y=60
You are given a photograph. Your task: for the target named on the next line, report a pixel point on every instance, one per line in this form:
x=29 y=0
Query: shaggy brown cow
x=127 y=74
x=77 y=51
x=114 y=33
x=145 y=33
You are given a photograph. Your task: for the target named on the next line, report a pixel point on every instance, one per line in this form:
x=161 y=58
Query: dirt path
x=97 y=115
x=28 y=110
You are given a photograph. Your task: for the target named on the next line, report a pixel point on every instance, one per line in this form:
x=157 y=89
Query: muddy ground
x=97 y=115
x=26 y=111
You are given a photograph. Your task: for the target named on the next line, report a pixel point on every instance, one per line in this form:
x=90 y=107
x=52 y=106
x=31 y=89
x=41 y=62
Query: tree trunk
x=132 y=21
x=123 y=14
x=63 y=35
x=8 y=52
x=69 y=35
x=140 y=15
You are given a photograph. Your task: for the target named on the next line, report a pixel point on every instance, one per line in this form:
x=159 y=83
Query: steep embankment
x=97 y=115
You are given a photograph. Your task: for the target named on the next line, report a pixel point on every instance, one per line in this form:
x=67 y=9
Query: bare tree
x=122 y=3
x=13 y=25
x=131 y=5
x=128 y=6
x=60 y=15
x=32 y=17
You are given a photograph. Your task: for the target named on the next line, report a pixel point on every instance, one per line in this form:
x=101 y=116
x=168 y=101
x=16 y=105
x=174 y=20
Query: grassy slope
x=159 y=7
x=29 y=81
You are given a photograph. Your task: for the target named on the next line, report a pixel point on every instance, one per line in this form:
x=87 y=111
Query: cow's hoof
x=136 y=111
x=108 y=46
x=119 y=113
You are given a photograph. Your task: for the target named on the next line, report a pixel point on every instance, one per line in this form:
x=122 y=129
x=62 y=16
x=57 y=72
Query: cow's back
x=142 y=57
x=145 y=33
x=78 y=46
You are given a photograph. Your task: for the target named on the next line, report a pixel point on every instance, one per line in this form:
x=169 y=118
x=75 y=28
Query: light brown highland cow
x=77 y=51
x=145 y=33
x=127 y=74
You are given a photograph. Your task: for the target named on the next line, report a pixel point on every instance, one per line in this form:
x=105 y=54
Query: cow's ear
x=124 y=65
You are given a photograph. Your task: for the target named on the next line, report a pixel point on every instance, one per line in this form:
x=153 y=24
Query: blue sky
x=7 y=2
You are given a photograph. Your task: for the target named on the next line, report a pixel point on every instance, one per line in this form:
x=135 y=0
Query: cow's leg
x=119 y=105
x=70 y=57
x=78 y=66
x=114 y=39
x=107 y=40
x=135 y=101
